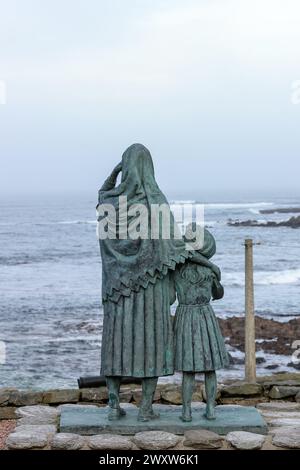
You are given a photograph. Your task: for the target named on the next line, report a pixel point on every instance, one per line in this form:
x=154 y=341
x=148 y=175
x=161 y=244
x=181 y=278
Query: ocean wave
x=74 y=339
x=254 y=211
x=76 y=222
x=237 y=205
x=288 y=276
x=280 y=315
x=225 y=205
x=181 y=202
x=62 y=222
x=207 y=223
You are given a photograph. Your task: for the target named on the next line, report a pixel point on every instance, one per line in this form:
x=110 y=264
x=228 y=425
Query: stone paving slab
x=89 y=421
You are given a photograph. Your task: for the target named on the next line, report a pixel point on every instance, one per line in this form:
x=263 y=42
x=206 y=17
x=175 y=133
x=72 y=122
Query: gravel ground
x=6 y=427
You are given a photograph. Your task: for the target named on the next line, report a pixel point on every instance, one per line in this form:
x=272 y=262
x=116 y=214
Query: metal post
x=250 y=358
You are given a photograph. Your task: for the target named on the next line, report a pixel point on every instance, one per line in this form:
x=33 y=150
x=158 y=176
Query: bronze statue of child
x=199 y=345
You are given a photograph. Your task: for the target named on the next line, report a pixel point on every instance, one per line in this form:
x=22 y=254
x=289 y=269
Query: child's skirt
x=199 y=345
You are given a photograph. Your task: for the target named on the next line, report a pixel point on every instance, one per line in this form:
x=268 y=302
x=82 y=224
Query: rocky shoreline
x=271 y=336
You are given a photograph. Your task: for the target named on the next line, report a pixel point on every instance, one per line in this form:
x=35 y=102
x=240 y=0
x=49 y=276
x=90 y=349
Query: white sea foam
x=288 y=276
x=224 y=205
x=254 y=211
x=71 y=222
x=264 y=340
x=182 y=202
x=241 y=205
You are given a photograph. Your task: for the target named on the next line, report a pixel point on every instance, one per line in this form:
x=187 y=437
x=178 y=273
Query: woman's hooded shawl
x=127 y=264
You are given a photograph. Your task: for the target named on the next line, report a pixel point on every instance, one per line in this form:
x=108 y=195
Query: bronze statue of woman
x=137 y=339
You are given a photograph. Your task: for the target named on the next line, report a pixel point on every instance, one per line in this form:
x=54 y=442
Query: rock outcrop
x=293 y=222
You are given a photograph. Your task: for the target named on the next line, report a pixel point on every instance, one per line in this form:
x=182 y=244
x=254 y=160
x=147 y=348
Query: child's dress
x=199 y=345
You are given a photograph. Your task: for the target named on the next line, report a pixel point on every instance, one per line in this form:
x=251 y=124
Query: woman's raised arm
x=110 y=182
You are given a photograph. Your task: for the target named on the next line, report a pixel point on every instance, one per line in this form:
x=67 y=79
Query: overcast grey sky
x=205 y=84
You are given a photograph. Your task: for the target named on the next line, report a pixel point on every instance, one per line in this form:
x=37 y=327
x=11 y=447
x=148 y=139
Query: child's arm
x=200 y=259
x=217 y=290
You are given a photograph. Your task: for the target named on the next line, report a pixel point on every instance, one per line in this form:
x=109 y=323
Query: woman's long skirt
x=137 y=338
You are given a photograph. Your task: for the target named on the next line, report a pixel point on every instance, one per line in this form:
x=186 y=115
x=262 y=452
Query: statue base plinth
x=90 y=420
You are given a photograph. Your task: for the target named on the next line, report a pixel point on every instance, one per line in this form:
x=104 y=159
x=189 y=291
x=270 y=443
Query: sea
x=50 y=283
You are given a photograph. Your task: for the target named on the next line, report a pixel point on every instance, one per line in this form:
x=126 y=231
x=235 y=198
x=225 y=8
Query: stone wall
x=276 y=387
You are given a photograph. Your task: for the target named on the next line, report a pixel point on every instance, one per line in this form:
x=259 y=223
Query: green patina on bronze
x=199 y=345
x=137 y=335
x=129 y=265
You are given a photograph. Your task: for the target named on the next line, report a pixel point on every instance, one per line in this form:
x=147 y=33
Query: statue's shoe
x=186 y=414
x=116 y=413
x=186 y=418
x=210 y=414
x=148 y=416
x=209 y=417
